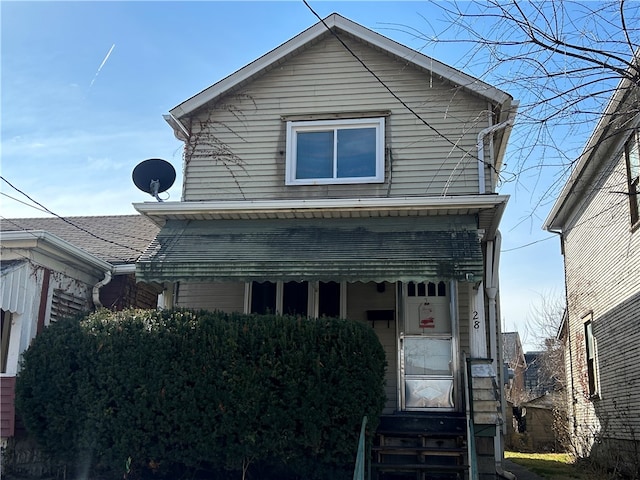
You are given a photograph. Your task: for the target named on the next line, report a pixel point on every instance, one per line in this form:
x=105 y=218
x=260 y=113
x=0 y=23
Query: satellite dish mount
x=154 y=176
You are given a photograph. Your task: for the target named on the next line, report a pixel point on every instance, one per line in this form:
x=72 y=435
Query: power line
x=24 y=203
x=69 y=222
x=404 y=104
x=529 y=244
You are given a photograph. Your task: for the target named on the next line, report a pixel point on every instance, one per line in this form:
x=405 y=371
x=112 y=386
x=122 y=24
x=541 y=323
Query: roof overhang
x=489 y=209
x=333 y=22
x=328 y=249
x=19 y=243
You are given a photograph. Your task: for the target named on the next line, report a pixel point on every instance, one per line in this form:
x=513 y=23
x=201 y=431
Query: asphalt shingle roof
x=117 y=239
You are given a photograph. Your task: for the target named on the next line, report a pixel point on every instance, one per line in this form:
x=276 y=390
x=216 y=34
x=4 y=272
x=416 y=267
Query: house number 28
x=476 y=321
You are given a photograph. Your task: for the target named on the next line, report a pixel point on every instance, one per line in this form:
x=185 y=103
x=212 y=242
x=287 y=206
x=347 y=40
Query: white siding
x=602 y=262
x=238 y=145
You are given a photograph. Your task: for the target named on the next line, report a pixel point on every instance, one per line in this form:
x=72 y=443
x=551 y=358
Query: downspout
x=493 y=264
x=98 y=286
x=480 y=144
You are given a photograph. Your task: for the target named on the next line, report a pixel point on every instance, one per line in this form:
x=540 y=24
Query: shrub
x=175 y=390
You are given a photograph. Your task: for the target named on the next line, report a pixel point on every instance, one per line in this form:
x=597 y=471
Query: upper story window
x=335 y=151
x=632 y=155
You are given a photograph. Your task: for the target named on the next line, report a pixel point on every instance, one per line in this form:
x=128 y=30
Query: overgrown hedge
x=141 y=392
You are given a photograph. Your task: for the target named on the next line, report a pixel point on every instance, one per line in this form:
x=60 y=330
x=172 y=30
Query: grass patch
x=554 y=466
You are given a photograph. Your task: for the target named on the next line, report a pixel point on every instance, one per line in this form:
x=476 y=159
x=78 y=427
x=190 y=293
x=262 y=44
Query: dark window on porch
x=295 y=298
x=263 y=297
x=329 y=299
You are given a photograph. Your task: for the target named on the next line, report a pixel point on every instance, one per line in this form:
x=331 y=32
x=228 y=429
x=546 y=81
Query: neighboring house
x=344 y=174
x=597 y=217
x=514 y=359
x=541 y=378
x=52 y=268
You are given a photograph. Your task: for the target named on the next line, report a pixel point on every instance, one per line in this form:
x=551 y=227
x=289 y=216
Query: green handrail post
x=358 y=472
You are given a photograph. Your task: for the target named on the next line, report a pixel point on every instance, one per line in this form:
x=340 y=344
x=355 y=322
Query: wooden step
x=394 y=467
x=418 y=450
x=433 y=425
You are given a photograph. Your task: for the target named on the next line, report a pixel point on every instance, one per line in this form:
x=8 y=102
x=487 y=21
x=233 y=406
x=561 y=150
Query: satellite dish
x=154 y=176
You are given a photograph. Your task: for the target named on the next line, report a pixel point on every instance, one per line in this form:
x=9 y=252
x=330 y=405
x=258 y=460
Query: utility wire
x=528 y=244
x=69 y=222
x=24 y=203
x=404 y=104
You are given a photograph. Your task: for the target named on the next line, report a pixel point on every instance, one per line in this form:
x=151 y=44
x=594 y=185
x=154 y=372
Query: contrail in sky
x=102 y=64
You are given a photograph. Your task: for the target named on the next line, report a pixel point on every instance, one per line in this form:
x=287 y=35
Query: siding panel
x=238 y=147
x=227 y=297
x=602 y=261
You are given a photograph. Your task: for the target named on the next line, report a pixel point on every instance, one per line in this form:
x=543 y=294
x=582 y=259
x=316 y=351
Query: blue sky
x=85 y=85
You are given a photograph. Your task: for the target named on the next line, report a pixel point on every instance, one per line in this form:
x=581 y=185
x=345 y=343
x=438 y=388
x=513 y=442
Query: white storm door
x=427 y=349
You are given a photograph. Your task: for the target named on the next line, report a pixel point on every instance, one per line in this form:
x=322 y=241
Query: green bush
x=201 y=391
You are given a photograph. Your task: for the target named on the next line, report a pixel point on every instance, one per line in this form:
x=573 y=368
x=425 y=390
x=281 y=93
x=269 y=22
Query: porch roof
x=349 y=249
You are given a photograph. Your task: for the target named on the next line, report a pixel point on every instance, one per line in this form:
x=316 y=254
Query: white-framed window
x=324 y=152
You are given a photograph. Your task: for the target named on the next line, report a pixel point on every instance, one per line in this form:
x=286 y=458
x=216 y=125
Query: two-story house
x=344 y=174
x=597 y=217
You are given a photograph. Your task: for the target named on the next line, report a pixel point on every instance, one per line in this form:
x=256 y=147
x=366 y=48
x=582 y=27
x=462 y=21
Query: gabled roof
x=117 y=239
x=337 y=24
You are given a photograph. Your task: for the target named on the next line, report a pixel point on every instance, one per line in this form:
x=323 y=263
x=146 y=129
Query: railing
x=358 y=472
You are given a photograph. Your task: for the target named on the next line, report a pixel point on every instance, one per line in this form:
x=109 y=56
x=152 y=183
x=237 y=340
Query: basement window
x=335 y=151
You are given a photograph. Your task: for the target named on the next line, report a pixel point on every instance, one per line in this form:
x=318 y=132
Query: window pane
x=294 y=298
x=263 y=297
x=427 y=356
x=357 y=152
x=314 y=155
x=421 y=393
x=329 y=299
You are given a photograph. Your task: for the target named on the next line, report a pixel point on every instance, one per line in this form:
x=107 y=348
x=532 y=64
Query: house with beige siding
x=52 y=268
x=596 y=216
x=344 y=174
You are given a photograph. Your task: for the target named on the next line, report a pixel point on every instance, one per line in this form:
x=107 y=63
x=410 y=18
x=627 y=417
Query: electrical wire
x=68 y=221
x=24 y=203
x=404 y=104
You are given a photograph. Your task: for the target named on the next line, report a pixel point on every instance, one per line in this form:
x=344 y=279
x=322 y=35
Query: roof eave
x=160 y=211
x=336 y=21
x=52 y=245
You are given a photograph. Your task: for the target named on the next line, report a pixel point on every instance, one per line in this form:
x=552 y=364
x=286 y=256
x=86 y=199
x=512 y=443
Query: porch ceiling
x=349 y=249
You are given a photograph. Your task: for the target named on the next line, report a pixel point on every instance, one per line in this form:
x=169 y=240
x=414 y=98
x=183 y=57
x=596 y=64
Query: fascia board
x=455 y=76
x=51 y=245
x=195 y=209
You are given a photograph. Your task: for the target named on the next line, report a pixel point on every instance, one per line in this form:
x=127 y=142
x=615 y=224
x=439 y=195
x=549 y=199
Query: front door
x=427 y=348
